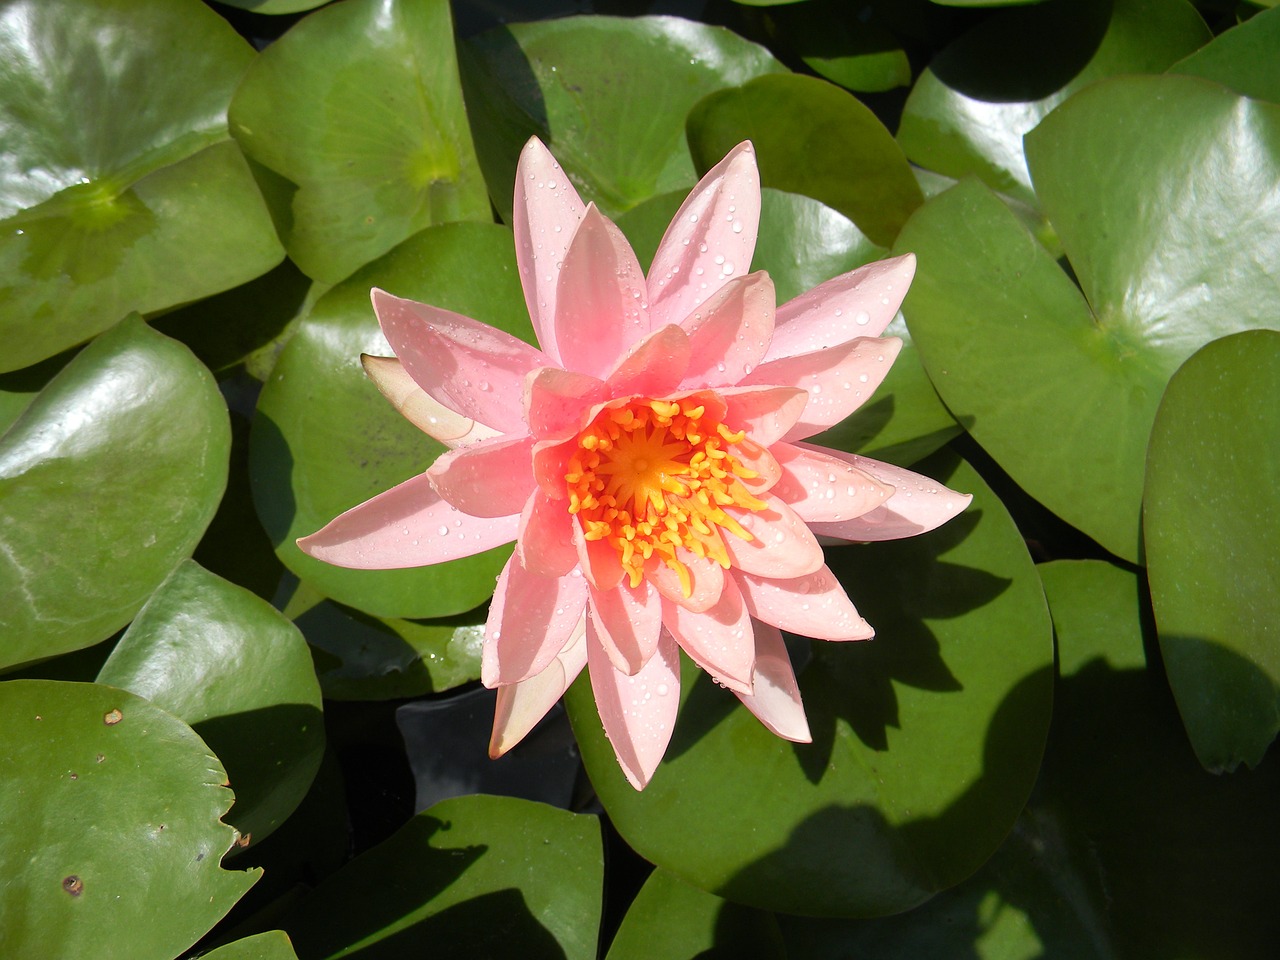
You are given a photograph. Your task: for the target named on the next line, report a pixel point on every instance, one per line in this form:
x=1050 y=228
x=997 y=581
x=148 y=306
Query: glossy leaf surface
x=814 y=139
x=324 y=438
x=231 y=666
x=492 y=877
x=119 y=188
x=112 y=839
x=926 y=739
x=273 y=945
x=1213 y=476
x=360 y=106
x=103 y=490
x=579 y=82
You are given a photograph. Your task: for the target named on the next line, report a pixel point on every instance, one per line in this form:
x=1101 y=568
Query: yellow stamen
x=651 y=476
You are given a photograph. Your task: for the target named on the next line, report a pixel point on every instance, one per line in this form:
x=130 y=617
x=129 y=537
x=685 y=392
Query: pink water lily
x=648 y=460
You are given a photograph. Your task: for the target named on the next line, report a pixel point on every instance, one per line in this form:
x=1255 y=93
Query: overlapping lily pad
x=360 y=106
x=119 y=187
x=969 y=111
x=103 y=489
x=926 y=740
x=1213 y=552
x=576 y=84
x=112 y=839
x=273 y=945
x=324 y=439
x=491 y=877
x=814 y=139
x=1020 y=355
x=1242 y=58
x=237 y=671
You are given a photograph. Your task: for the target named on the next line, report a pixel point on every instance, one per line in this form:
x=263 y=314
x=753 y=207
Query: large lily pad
x=573 y=82
x=1019 y=354
x=926 y=740
x=1243 y=58
x=324 y=439
x=491 y=877
x=1213 y=486
x=814 y=139
x=103 y=490
x=273 y=945
x=360 y=106
x=119 y=187
x=969 y=111
x=112 y=839
x=236 y=670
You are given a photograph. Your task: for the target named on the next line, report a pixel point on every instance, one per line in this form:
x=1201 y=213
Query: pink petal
x=598 y=560
x=550 y=463
x=555 y=401
x=625 y=621
x=820 y=486
x=545 y=544
x=521 y=705
x=765 y=412
x=719 y=640
x=418 y=407
x=492 y=478
x=639 y=712
x=783 y=546
x=714 y=231
x=408 y=526
x=860 y=303
x=654 y=366
x=760 y=461
x=600 y=308
x=467 y=365
x=706 y=579
x=814 y=605
x=917 y=505
x=775 y=699
x=530 y=620
x=838 y=380
x=545 y=217
x=730 y=332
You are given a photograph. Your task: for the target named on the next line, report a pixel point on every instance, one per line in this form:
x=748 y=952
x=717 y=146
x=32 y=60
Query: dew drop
x=862 y=318
x=693 y=218
x=737 y=226
x=863 y=378
x=816 y=388
x=442 y=530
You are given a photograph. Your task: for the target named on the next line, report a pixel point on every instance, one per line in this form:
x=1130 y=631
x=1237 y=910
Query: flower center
x=653 y=475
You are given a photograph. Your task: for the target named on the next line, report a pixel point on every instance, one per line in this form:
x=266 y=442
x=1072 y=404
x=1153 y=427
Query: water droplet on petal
x=442 y=530
x=862 y=318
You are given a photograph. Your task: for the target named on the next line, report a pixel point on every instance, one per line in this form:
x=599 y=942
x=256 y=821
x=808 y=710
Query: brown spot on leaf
x=101 y=757
x=245 y=840
x=74 y=776
x=112 y=717
x=73 y=885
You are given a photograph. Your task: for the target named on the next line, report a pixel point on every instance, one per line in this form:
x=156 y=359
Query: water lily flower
x=649 y=460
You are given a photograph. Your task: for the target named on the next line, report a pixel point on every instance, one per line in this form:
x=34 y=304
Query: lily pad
x=119 y=187
x=360 y=106
x=926 y=740
x=814 y=139
x=1243 y=58
x=492 y=877
x=573 y=82
x=1213 y=472
x=103 y=490
x=227 y=663
x=670 y=920
x=848 y=46
x=273 y=945
x=112 y=839
x=969 y=111
x=324 y=439
x=1019 y=354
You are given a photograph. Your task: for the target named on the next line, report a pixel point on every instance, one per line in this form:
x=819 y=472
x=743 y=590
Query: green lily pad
x=1213 y=473
x=492 y=877
x=360 y=106
x=103 y=490
x=926 y=740
x=276 y=6
x=240 y=674
x=1015 y=350
x=573 y=82
x=273 y=945
x=969 y=111
x=814 y=139
x=112 y=839
x=845 y=45
x=1243 y=58
x=670 y=920
x=324 y=439
x=119 y=187
x=802 y=243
